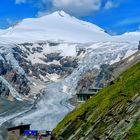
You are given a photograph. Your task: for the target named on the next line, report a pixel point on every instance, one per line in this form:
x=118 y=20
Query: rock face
x=114 y=113
x=17 y=81
x=4 y=91
x=20 y=62
x=101 y=78
x=96 y=78
x=46 y=63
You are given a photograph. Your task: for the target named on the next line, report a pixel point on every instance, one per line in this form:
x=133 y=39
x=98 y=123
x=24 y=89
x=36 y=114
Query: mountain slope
x=129 y=36
x=64 y=63
x=56 y=26
x=112 y=114
x=60 y=26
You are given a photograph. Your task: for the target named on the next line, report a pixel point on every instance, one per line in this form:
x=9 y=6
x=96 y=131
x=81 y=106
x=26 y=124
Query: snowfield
x=56 y=26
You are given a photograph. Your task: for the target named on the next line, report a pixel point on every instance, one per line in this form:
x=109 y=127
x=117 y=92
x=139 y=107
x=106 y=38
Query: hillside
x=114 y=113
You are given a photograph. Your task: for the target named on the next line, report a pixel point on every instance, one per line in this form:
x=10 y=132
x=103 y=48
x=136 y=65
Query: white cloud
x=110 y=4
x=80 y=7
x=74 y=7
x=77 y=7
x=20 y=1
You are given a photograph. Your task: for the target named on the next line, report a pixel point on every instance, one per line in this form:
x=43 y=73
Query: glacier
x=54 y=106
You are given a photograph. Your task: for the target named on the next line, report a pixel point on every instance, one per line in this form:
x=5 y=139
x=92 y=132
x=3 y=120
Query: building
x=23 y=131
x=44 y=135
x=85 y=95
x=14 y=133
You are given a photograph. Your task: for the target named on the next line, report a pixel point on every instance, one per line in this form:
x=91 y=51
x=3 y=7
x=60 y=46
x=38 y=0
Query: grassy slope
x=127 y=83
x=134 y=132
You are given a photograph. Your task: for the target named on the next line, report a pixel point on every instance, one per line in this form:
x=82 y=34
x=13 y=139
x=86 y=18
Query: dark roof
x=19 y=127
x=90 y=91
x=86 y=93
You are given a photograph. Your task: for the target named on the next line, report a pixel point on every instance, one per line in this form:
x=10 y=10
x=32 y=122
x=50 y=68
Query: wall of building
x=14 y=135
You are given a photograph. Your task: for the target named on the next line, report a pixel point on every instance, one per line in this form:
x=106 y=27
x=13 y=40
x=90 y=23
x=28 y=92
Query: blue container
x=30 y=132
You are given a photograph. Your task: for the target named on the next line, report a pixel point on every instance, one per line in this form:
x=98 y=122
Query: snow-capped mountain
x=56 y=26
x=129 y=36
x=58 y=49
x=60 y=26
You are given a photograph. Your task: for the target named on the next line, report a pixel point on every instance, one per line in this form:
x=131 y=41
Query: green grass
x=127 y=83
x=134 y=132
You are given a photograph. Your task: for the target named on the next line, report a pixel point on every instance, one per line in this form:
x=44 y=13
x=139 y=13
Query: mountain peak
x=56 y=26
x=61 y=13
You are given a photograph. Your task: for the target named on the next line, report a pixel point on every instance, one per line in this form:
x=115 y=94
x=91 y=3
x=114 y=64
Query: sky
x=114 y=16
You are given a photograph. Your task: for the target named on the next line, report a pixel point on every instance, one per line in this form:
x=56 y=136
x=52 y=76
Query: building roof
x=90 y=91
x=86 y=93
x=18 y=127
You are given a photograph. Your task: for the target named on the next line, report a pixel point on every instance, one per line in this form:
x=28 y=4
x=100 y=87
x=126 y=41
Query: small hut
x=85 y=95
x=14 y=133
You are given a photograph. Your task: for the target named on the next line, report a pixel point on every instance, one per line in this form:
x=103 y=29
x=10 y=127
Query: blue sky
x=115 y=16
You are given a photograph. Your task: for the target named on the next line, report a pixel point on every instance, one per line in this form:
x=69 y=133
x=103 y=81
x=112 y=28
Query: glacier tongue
x=50 y=109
